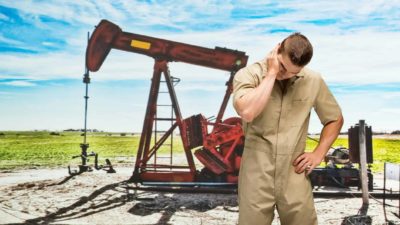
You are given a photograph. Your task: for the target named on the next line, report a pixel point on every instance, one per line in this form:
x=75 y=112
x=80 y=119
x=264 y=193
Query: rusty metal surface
x=354 y=144
x=223 y=144
x=108 y=35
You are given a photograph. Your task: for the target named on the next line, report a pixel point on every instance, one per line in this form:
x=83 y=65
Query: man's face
x=286 y=68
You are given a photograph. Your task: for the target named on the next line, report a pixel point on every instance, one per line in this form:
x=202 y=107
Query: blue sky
x=42 y=48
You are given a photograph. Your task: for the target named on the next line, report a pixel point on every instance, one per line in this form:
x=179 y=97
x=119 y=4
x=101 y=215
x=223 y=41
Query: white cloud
x=20 y=83
x=46 y=43
x=4 y=17
x=364 y=56
x=183 y=14
x=9 y=41
x=390 y=110
x=352 y=48
x=202 y=87
x=392 y=95
x=359 y=58
x=38 y=67
x=71 y=12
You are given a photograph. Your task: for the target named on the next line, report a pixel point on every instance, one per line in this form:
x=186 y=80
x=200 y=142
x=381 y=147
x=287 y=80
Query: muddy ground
x=50 y=196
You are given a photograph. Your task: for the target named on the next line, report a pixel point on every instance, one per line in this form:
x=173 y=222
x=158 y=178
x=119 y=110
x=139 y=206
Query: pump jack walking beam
x=108 y=35
x=193 y=130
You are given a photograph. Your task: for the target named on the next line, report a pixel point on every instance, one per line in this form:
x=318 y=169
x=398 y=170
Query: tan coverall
x=273 y=140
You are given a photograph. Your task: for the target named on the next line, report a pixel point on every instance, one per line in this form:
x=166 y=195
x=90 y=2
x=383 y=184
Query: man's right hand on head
x=272 y=62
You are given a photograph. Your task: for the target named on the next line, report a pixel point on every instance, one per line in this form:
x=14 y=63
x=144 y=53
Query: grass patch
x=54 y=149
x=384 y=150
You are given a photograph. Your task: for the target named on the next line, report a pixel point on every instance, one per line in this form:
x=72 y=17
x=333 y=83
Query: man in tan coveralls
x=274 y=97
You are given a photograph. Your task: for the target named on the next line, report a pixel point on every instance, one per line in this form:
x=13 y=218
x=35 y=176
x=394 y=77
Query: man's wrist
x=320 y=153
x=271 y=74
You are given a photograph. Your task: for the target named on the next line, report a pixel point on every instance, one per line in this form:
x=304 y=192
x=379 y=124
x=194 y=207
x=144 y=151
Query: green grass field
x=40 y=149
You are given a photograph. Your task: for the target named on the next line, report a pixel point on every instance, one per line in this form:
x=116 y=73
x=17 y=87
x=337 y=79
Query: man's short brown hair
x=298 y=48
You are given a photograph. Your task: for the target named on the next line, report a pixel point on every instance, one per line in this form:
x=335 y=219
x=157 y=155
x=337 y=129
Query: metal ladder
x=171 y=120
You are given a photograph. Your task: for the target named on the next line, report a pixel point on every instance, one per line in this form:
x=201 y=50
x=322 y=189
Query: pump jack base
x=163 y=176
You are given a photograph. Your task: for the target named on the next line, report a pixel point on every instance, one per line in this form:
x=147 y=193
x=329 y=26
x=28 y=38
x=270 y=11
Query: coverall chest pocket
x=299 y=111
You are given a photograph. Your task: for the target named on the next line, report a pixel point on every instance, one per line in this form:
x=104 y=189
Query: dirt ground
x=50 y=196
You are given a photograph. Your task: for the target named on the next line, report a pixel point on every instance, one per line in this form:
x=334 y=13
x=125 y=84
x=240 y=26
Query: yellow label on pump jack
x=140 y=44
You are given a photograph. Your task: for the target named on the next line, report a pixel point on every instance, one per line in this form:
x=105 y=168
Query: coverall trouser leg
x=267 y=181
x=294 y=198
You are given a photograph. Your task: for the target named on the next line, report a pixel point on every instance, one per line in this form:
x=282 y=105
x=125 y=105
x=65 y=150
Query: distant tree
x=70 y=130
x=396 y=132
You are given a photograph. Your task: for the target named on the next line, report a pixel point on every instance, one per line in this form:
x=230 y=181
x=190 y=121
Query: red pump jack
x=219 y=150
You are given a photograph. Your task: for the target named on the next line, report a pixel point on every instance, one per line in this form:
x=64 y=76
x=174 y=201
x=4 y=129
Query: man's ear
x=280 y=47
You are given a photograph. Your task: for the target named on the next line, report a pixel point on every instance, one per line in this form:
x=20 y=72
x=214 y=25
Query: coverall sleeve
x=245 y=80
x=325 y=105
